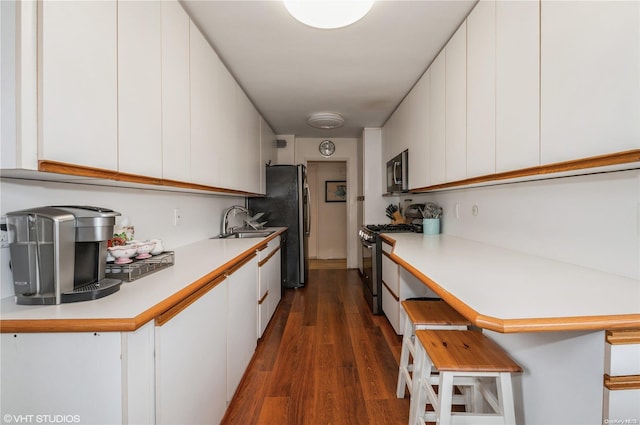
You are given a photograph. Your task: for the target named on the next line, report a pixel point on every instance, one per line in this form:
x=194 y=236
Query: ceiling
x=362 y=71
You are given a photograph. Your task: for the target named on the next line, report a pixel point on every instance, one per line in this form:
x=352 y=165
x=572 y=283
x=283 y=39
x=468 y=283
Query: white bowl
x=123 y=253
x=144 y=248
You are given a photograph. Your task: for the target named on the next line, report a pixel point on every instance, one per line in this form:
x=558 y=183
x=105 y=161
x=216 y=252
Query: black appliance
x=398 y=173
x=372 y=259
x=286 y=204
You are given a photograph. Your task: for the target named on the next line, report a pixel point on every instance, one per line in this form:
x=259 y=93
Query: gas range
x=371 y=231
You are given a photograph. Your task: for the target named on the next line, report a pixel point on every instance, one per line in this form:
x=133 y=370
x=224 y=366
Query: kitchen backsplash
x=591 y=220
x=151 y=212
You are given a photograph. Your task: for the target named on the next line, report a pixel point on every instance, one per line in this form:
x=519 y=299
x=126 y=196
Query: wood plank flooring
x=324 y=359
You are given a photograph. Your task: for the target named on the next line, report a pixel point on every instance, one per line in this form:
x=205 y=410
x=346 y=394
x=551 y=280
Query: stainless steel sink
x=244 y=234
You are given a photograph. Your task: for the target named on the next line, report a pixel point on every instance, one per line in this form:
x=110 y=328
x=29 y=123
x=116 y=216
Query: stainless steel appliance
x=372 y=259
x=287 y=204
x=58 y=254
x=398 y=173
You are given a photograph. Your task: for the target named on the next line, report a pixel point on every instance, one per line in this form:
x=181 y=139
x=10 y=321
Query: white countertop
x=507 y=287
x=192 y=263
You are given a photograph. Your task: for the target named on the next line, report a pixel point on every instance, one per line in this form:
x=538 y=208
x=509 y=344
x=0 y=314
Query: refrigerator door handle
x=307 y=224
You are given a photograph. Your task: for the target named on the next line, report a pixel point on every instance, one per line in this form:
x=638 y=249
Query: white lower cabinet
x=87 y=377
x=398 y=285
x=241 y=321
x=191 y=359
x=182 y=368
x=269 y=285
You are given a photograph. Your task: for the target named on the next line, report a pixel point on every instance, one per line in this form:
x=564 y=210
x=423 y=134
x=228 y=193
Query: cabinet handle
x=163 y=318
x=261 y=300
x=268 y=257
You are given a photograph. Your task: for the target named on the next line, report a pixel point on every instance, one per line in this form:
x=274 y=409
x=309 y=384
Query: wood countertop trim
x=534 y=324
x=132 y=323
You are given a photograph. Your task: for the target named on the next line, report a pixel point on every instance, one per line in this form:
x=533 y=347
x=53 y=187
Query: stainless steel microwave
x=398 y=172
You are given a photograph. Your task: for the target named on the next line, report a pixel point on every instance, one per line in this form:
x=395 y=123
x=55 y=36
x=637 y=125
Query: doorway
x=328 y=239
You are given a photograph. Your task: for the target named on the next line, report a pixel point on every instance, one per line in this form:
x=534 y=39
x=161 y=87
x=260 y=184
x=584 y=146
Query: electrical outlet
x=474 y=211
x=457 y=211
x=177 y=216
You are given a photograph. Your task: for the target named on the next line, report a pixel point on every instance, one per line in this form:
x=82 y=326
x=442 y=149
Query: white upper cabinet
x=590 y=79
x=437 y=124
x=419 y=115
x=247 y=159
x=268 y=152
x=176 y=137
x=456 y=105
x=79 y=83
x=206 y=109
x=139 y=88
x=481 y=89
x=517 y=85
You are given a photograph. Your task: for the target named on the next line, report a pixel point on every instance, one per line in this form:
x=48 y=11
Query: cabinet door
x=517 y=84
x=268 y=152
x=176 y=137
x=590 y=84
x=79 y=83
x=390 y=274
x=437 y=126
x=139 y=87
x=207 y=149
x=391 y=309
x=275 y=282
x=481 y=94
x=456 y=105
x=191 y=359
x=419 y=115
x=247 y=140
x=241 y=321
x=77 y=374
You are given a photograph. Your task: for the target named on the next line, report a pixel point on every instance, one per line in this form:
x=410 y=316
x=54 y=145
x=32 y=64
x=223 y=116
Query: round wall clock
x=327 y=148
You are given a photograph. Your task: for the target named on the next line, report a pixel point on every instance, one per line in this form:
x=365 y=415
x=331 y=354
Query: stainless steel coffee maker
x=58 y=253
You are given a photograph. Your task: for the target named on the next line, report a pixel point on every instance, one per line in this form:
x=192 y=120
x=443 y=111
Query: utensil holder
x=431 y=226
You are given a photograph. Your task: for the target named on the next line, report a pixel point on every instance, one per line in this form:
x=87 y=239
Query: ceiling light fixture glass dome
x=328 y=14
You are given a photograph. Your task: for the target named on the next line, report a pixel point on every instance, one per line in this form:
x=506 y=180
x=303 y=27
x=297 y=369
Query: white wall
x=589 y=220
x=150 y=211
x=286 y=155
x=346 y=150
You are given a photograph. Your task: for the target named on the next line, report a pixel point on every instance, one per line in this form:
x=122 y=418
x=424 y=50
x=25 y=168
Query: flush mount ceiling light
x=325 y=120
x=328 y=14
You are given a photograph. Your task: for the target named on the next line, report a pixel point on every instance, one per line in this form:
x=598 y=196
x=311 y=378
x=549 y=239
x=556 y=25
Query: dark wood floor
x=324 y=359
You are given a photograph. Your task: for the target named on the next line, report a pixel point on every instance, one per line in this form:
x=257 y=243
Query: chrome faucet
x=225 y=218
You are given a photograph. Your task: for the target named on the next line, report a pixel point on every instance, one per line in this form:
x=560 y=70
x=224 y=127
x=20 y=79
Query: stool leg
x=445 y=398
x=505 y=398
x=417 y=406
x=403 y=368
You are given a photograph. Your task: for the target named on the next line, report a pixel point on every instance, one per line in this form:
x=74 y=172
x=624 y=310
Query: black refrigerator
x=286 y=204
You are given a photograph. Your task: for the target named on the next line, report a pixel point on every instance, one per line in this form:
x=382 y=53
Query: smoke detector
x=325 y=120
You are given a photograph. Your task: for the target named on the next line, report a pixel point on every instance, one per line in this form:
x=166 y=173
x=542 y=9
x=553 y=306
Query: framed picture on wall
x=335 y=191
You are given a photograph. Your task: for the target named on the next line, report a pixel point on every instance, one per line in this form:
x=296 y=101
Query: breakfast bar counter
x=509 y=291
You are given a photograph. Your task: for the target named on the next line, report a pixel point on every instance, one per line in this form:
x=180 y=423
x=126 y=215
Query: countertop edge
x=130 y=324
x=545 y=324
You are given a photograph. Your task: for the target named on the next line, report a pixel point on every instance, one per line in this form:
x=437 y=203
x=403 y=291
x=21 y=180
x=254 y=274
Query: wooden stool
x=423 y=314
x=461 y=355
